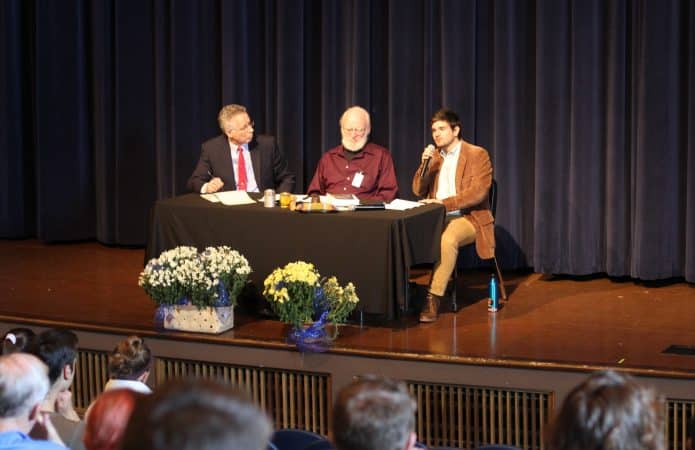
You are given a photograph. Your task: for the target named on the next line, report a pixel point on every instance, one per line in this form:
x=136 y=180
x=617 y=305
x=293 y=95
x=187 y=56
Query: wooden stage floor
x=549 y=322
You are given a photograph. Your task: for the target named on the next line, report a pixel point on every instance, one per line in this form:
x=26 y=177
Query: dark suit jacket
x=474 y=178
x=269 y=165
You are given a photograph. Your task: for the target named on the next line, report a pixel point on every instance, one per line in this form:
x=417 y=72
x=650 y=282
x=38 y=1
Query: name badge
x=357 y=179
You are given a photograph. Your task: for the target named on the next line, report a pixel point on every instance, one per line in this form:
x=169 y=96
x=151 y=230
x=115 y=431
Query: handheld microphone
x=426 y=163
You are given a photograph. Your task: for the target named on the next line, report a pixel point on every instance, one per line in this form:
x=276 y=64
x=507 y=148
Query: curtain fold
x=586 y=107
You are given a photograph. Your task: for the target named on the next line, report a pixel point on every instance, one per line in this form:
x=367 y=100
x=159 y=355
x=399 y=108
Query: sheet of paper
x=210 y=197
x=401 y=205
x=234 y=198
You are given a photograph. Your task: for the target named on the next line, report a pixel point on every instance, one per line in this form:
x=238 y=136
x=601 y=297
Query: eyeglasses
x=354 y=130
x=246 y=127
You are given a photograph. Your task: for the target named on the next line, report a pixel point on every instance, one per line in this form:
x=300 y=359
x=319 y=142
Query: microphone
x=426 y=163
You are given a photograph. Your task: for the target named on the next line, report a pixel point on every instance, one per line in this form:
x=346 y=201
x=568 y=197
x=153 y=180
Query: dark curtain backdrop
x=586 y=107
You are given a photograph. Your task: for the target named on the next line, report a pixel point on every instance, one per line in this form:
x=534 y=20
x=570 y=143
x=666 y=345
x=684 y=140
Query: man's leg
x=458 y=232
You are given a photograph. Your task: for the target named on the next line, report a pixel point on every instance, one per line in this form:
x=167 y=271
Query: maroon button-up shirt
x=335 y=174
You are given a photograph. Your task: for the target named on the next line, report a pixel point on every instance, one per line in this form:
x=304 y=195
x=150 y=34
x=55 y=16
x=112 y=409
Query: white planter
x=203 y=320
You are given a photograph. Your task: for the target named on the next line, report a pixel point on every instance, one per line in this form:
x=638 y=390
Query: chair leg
x=503 y=291
x=454 y=276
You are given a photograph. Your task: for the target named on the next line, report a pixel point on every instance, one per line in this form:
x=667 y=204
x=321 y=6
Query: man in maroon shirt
x=356 y=167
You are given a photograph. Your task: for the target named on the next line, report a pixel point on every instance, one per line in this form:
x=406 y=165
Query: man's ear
x=457 y=130
x=68 y=371
x=34 y=412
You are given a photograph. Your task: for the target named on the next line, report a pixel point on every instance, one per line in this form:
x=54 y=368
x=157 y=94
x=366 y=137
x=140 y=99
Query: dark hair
x=16 y=340
x=373 y=413
x=108 y=417
x=197 y=414
x=130 y=359
x=448 y=116
x=57 y=348
x=609 y=411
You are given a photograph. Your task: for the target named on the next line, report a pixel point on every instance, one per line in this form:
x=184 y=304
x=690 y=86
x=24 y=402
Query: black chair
x=293 y=439
x=503 y=292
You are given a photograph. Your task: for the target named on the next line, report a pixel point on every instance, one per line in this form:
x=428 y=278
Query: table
x=373 y=249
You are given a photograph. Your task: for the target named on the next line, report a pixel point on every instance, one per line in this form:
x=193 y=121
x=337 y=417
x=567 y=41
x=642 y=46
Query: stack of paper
x=401 y=205
x=342 y=199
x=229 y=198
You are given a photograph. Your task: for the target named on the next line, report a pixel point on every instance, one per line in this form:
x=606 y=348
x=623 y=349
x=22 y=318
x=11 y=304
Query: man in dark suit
x=236 y=160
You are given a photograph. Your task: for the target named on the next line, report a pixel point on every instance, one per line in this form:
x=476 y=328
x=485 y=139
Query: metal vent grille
x=678 y=413
x=468 y=417
x=91 y=374
x=292 y=399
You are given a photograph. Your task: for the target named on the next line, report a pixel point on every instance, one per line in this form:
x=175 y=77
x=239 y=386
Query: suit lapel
x=256 y=163
x=226 y=150
x=461 y=165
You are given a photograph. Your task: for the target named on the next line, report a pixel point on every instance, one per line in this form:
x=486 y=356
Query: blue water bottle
x=493 y=303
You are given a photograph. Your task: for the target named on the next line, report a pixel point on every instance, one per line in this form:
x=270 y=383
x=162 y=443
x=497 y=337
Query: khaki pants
x=458 y=232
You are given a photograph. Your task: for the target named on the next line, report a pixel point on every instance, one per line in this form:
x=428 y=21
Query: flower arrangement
x=214 y=277
x=341 y=301
x=298 y=295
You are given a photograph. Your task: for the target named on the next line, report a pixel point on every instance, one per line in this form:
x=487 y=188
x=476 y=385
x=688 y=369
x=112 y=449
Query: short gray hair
x=373 y=413
x=227 y=112
x=353 y=109
x=23 y=384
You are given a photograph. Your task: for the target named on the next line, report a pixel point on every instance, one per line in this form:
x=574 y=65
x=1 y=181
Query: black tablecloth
x=373 y=249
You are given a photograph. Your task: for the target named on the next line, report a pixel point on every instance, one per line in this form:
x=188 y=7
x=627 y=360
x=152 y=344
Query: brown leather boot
x=430 y=310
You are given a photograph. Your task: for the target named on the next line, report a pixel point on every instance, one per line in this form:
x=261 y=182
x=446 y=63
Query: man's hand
x=431 y=200
x=427 y=153
x=64 y=406
x=44 y=429
x=214 y=185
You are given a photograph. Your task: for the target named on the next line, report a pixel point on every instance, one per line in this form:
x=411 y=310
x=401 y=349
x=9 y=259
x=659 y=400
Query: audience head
x=16 y=340
x=197 y=414
x=58 y=349
x=108 y=417
x=609 y=411
x=23 y=385
x=130 y=360
x=355 y=127
x=374 y=413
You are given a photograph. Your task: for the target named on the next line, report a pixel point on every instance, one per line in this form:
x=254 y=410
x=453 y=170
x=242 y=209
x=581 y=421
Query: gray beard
x=356 y=147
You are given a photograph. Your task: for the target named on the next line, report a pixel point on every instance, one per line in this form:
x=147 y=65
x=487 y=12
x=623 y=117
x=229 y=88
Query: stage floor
x=549 y=321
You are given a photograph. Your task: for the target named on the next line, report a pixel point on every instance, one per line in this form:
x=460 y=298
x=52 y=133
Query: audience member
x=23 y=386
x=197 y=414
x=609 y=411
x=108 y=418
x=16 y=340
x=374 y=413
x=57 y=348
x=129 y=365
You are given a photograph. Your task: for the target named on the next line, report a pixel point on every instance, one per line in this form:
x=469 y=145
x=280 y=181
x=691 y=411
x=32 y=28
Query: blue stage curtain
x=587 y=109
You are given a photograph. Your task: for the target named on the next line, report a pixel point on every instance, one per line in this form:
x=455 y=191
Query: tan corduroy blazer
x=474 y=175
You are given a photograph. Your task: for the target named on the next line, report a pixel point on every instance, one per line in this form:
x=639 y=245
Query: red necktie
x=241 y=170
